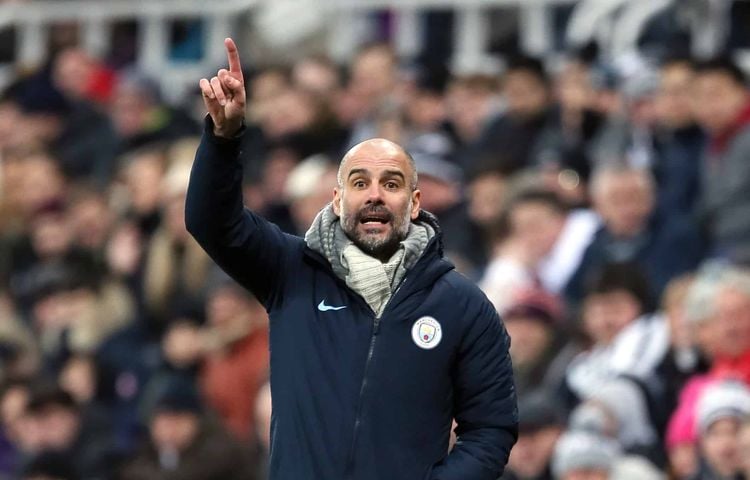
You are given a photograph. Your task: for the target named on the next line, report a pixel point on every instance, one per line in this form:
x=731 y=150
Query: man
x=540 y=426
x=184 y=443
x=722 y=107
x=376 y=343
x=634 y=231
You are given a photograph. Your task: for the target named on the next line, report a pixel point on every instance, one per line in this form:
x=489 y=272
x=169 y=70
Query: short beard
x=382 y=249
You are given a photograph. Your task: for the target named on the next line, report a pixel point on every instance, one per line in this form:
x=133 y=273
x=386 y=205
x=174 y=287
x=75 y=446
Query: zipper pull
x=376 y=327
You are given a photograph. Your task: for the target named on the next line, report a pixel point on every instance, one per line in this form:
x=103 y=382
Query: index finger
x=233 y=55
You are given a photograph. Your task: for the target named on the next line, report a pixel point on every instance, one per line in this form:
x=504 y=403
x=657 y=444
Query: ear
x=416 y=195
x=337 y=202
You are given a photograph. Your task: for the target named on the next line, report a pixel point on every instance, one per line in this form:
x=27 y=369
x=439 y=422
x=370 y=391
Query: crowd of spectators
x=604 y=210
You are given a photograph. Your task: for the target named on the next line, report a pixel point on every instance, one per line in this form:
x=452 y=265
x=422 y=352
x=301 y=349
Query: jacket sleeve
x=246 y=246
x=485 y=404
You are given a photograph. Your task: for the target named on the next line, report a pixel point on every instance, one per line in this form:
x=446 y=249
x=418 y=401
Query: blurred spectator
x=534 y=322
x=81 y=137
x=308 y=189
x=619 y=409
x=140 y=117
x=722 y=108
x=625 y=338
x=184 y=444
x=486 y=191
x=563 y=149
x=91 y=219
x=49 y=465
x=142 y=173
x=720 y=412
x=584 y=456
x=317 y=74
x=80 y=77
x=743 y=439
x=507 y=139
x=633 y=467
x=530 y=226
x=236 y=362
x=684 y=358
x=633 y=232
x=55 y=424
x=719 y=308
x=371 y=87
x=175 y=266
x=680 y=141
x=440 y=184
x=473 y=104
x=539 y=428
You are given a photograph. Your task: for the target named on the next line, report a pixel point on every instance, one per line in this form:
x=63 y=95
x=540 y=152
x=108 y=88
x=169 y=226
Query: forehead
x=375 y=158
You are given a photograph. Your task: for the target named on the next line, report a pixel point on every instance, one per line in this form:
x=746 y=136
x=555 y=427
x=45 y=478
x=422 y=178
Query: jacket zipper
x=370 y=353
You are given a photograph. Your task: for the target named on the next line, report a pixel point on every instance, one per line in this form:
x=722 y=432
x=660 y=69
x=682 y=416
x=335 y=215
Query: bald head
x=378 y=149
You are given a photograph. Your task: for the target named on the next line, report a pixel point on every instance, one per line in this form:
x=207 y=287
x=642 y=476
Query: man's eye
x=359 y=184
x=391 y=185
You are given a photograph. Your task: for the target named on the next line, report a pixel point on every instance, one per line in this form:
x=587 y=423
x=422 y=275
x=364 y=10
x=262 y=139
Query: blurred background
x=589 y=162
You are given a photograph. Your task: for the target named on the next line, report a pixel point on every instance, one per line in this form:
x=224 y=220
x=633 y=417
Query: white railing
x=617 y=22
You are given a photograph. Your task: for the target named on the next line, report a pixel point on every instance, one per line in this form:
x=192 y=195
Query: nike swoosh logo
x=324 y=308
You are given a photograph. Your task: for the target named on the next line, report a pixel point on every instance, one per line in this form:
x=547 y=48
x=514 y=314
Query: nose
x=374 y=193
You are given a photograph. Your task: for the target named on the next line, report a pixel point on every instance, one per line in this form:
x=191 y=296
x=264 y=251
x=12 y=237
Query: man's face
x=375 y=200
x=625 y=202
x=530 y=338
x=606 y=314
x=719 y=446
x=732 y=322
x=673 y=100
x=537 y=226
x=717 y=100
x=174 y=430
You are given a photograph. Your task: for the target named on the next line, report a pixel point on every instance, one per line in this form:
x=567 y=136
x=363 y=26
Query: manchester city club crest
x=426 y=333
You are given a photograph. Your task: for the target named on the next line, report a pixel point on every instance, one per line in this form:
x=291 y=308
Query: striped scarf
x=373 y=280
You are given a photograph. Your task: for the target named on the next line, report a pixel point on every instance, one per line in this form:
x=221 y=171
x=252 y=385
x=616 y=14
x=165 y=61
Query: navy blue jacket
x=354 y=397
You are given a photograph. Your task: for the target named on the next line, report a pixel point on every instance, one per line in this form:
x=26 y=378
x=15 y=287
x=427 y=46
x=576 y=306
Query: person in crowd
x=619 y=409
x=743 y=440
x=308 y=188
x=531 y=224
x=440 y=182
x=681 y=142
x=175 y=266
x=509 y=139
x=625 y=338
x=49 y=465
x=235 y=364
x=718 y=308
x=664 y=248
x=183 y=443
x=722 y=108
x=54 y=423
x=540 y=424
x=535 y=322
x=719 y=414
x=581 y=455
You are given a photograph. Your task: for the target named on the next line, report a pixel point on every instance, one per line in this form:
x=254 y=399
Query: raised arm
x=246 y=246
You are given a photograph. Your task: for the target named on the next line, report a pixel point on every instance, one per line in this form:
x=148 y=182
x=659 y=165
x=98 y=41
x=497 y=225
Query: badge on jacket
x=426 y=333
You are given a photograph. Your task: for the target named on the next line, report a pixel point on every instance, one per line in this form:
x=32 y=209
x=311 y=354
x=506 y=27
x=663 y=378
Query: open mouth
x=374 y=218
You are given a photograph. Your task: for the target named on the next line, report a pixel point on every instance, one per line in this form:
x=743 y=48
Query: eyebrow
x=388 y=173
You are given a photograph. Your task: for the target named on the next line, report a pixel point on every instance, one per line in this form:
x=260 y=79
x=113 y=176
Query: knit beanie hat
x=577 y=450
x=726 y=399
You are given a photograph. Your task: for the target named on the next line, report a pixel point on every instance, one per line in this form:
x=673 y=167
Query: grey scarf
x=374 y=280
